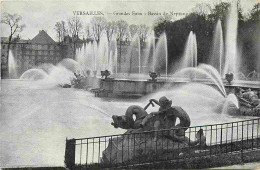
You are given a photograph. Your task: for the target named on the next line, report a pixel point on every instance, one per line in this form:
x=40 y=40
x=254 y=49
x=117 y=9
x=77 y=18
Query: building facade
x=29 y=54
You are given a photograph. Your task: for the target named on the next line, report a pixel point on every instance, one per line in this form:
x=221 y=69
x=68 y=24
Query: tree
x=98 y=24
x=64 y=29
x=13 y=21
x=88 y=31
x=202 y=9
x=143 y=33
x=58 y=30
x=255 y=13
x=202 y=22
x=239 y=10
x=161 y=23
x=133 y=29
x=122 y=27
x=177 y=33
x=110 y=30
x=61 y=30
x=74 y=29
x=248 y=35
x=219 y=12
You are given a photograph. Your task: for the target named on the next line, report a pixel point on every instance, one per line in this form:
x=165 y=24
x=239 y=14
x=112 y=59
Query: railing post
x=242 y=147
x=70 y=153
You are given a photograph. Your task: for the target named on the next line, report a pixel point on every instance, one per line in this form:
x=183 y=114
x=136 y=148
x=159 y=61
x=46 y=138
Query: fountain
x=60 y=74
x=81 y=60
x=166 y=55
x=231 y=54
x=160 y=56
x=12 y=67
x=159 y=64
x=102 y=53
x=253 y=76
x=206 y=73
x=70 y=64
x=189 y=58
x=96 y=57
x=115 y=55
x=218 y=48
x=215 y=75
x=133 y=56
x=148 y=51
x=34 y=74
x=153 y=42
x=204 y=97
x=228 y=106
x=104 y=56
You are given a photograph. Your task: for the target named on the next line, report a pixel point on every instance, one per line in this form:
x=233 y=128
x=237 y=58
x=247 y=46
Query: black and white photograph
x=130 y=84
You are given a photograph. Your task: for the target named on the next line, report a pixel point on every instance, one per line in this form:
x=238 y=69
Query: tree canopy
x=202 y=22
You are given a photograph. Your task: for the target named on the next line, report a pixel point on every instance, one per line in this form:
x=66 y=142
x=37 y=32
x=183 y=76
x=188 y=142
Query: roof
x=42 y=38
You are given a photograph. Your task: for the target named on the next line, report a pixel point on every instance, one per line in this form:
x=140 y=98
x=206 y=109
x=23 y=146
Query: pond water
x=37 y=117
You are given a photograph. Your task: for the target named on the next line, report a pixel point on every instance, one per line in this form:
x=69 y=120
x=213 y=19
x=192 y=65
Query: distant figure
x=200 y=139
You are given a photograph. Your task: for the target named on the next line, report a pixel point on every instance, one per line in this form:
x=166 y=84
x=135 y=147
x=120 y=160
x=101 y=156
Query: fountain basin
x=137 y=87
x=90 y=82
x=142 y=87
x=243 y=111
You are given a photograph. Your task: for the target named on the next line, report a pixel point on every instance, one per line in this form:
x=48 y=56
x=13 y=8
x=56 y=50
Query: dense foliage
x=203 y=25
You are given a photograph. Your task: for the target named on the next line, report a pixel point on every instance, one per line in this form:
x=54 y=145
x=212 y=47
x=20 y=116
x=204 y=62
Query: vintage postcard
x=130 y=84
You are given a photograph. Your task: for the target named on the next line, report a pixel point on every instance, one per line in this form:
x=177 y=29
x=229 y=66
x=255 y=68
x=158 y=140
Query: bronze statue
x=147 y=143
x=126 y=121
x=165 y=118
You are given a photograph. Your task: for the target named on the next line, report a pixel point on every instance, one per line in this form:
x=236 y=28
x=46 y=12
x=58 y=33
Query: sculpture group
x=136 y=135
x=249 y=101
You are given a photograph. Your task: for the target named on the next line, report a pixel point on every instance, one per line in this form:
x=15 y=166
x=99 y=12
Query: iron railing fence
x=152 y=146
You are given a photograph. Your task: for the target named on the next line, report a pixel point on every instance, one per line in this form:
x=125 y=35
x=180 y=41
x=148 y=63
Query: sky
x=42 y=15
